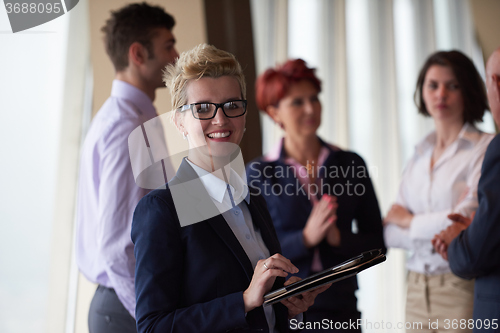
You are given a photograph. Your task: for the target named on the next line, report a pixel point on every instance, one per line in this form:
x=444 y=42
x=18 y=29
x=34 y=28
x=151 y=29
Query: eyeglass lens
x=207 y=110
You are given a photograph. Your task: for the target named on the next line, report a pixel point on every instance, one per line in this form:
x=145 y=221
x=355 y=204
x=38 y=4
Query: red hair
x=272 y=85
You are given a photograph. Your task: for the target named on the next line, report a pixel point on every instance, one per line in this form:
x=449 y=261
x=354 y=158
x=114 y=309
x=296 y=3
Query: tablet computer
x=333 y=274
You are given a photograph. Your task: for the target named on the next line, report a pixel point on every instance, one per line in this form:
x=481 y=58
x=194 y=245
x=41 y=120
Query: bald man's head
x=493 y=84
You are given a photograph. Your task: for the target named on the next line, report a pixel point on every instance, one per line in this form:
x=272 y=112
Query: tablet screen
x=337 y=273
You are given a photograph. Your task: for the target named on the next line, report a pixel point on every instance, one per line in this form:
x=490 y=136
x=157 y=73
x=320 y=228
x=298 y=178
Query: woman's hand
x=323 y=214
x=300 y=303
x=263 y=278
x=399 y=216
x=333 y=235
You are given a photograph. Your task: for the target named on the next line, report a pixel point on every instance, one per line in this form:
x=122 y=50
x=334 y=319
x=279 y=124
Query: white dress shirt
x=108 y=194
x=431 y=194
x=232 y=199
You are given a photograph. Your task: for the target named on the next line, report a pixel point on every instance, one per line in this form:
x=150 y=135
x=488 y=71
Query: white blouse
x=431 y=194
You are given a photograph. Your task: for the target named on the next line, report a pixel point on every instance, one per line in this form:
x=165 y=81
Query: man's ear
x=137 y=54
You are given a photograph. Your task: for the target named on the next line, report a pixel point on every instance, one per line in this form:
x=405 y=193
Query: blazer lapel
x=192 y=201
x=204 y=203
x=219 y=224
x=268 y=235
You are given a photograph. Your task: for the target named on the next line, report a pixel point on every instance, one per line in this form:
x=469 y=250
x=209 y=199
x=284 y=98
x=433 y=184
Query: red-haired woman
x=320 y=197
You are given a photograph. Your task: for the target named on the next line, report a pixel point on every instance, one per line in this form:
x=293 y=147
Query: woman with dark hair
x=320 y=197
x=440 y=179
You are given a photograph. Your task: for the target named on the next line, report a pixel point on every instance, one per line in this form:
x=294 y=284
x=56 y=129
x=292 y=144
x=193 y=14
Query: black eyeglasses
x=205 y=111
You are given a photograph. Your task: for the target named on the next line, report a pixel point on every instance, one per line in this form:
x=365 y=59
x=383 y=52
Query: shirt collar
x=134 y=95
x=468 y=135
x=216 y=187
x=278 y=151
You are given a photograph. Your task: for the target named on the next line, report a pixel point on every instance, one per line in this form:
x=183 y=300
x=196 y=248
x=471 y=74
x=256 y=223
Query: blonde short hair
x=202 y=61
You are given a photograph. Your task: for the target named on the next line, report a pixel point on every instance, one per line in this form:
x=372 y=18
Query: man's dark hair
x=133 y=23
x=470 y=82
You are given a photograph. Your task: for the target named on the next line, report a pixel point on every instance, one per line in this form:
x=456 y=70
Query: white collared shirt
x=235 y=211
x=431 y=194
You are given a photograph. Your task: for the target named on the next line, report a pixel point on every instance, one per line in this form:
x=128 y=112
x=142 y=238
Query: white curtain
x=269 y=23
x=367 y=54
x=75 y=118
x=42 y=88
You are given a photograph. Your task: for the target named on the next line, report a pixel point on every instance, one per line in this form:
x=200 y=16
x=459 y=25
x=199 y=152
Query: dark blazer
x=290 y=211
x=475 y=253
x=192 y=278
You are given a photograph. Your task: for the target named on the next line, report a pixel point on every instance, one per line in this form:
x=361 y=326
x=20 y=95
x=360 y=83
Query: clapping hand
x=322 y=218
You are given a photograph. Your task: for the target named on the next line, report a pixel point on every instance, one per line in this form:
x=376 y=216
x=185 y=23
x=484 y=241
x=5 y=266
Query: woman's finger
x=293 y=310
x=332 y=208
x=319 y=290
x=281 y=257
x=279 y=262
x=291 y=280
x=297 y=304
x=274 y=273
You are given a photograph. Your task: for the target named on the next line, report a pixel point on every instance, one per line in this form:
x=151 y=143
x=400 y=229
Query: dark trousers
x=108 y=315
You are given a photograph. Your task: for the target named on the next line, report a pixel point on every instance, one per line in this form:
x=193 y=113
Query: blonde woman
x=205 y=246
